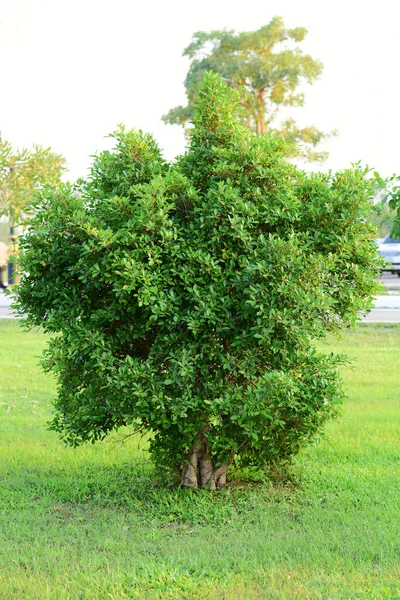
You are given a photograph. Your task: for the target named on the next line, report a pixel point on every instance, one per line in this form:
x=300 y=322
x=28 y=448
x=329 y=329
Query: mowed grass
x=93 y=523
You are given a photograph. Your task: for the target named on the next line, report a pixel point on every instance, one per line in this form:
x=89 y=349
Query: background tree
x=187 y=297
x=21 y=173
x=269 y=65
x=387 y=205
x=390 y=192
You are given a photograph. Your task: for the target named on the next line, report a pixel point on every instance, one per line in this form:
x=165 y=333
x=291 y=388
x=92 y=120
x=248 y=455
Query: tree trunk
x=190 y=470
x=199 y=472
x=261 y=126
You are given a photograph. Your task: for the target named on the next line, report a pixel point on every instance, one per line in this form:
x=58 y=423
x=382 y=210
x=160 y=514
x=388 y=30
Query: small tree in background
x=187 y=296
x=390 y=204
x=269 y=66
x=22 y=172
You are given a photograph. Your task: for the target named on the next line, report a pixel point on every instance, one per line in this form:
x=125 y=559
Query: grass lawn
x=89 y=524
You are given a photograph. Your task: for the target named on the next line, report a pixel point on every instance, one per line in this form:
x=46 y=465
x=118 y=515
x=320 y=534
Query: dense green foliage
x=187 y=295
x=269 y=66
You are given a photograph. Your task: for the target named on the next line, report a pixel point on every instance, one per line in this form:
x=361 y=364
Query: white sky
x=72 y=70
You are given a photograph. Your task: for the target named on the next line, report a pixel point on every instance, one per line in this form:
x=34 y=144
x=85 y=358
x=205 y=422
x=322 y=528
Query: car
x=389 y=249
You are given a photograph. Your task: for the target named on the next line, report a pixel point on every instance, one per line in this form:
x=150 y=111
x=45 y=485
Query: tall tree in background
x=21 y=173
x=269 y=66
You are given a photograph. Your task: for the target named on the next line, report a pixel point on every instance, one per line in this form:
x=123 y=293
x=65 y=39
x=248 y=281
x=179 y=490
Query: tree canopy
x=21 y=173
x=270 y=68
x=187 y=297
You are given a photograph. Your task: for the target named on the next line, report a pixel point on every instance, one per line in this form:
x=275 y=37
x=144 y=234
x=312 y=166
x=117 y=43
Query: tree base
x=199 y=471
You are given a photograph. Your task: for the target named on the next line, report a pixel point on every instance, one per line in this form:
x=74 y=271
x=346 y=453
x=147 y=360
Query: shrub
x=186 y=297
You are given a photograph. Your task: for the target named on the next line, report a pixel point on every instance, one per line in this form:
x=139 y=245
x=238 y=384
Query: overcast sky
x=72 y=70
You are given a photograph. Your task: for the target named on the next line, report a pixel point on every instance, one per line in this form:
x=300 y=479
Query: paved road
x=382 y=316
x=5 y=310
x=391 y=282
x=387 y=302
x=5 y=313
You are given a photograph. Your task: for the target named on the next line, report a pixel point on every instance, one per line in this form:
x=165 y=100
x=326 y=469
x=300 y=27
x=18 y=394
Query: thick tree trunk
x=205 y=468
x=199 y=472
x=190 y=470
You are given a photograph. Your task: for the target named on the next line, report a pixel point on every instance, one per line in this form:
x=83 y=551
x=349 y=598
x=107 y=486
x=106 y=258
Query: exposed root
x=199 y=472
x=206 y=469
x=189 y=474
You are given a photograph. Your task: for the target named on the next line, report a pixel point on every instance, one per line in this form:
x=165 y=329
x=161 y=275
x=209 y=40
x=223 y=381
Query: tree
x=21 y=173
x=387 y=205
x=269 y=66
x=390 y=188
x=186 y=297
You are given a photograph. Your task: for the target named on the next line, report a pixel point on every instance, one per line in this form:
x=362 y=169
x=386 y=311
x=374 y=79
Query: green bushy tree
x=186 y=296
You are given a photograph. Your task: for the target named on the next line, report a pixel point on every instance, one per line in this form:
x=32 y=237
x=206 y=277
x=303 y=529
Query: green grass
x=91 y=524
